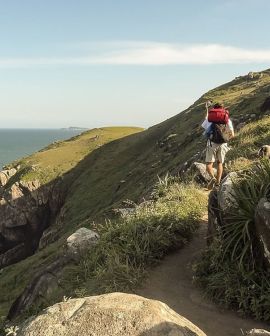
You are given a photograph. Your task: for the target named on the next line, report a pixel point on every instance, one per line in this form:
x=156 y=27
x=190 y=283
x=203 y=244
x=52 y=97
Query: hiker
x=218 y=129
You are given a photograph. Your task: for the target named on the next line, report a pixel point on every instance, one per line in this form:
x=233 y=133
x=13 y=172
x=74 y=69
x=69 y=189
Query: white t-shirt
x=206 y=124
x=229 y=129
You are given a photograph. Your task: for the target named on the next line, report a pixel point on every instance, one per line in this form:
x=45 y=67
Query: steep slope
x=137 y=160
x=125 y=168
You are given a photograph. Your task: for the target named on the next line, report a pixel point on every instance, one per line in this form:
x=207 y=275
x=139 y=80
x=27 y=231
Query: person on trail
x=219 y=130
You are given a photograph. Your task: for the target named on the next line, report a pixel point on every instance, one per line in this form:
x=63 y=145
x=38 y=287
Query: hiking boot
x=216 y=186
x=211 y=184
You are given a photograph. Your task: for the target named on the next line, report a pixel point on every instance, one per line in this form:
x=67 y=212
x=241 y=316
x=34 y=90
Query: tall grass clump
x=231 y=270
x=130 y=244
x=246 y=143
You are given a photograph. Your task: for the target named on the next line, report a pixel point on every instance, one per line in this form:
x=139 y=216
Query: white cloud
x=148 y=53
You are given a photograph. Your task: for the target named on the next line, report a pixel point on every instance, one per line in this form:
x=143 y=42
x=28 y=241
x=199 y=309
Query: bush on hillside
x=231 y=270
x=130 y=244
x=247 y=142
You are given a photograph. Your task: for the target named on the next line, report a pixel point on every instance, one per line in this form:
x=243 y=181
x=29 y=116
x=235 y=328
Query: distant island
x=72 y=128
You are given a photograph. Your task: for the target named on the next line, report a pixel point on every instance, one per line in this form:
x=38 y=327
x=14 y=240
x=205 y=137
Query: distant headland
x=73 y=128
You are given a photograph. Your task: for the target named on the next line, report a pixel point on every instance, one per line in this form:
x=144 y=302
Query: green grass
x=246 y=292
x=247 y=143
x=129 y=245
x=55 y=160
x=60 y=157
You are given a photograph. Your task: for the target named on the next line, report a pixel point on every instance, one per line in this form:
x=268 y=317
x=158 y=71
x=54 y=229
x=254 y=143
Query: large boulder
x=201 y=174
x=226 y=194
x=81 y=240
x=219 y=202
x=113 y=314
x=262 y=222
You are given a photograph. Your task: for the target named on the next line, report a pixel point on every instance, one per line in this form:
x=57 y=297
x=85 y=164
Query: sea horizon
x=16 y=143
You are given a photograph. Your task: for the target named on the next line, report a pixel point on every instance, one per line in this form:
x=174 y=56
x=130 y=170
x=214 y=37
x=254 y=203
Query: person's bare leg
x=219 y=172
x=209 y=169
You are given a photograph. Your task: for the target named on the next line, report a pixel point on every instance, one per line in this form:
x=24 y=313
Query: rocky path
x=171 y=282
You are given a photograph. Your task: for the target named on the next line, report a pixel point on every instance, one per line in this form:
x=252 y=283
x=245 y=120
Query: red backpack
x=218 y=116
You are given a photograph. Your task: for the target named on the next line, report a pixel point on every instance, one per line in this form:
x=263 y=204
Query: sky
x=93 y=63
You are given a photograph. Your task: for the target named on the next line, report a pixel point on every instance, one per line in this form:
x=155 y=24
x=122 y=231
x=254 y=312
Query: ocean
x=18 y=143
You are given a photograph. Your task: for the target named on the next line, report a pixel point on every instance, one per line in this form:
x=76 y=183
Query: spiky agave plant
x=238 y=236
x=162 y=185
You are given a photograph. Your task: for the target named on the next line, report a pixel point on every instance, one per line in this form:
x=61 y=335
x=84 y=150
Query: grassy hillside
x=53 y=161
x=138 y=159
x=119 y=165
x=62 y=156
x=245 y=146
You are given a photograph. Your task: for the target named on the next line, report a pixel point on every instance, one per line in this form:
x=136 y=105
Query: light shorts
x=216 y=152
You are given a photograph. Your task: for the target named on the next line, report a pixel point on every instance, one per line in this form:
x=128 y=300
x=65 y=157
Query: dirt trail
x=171 y=283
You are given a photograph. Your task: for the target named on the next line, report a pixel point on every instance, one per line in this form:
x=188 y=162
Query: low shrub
x=230 y=286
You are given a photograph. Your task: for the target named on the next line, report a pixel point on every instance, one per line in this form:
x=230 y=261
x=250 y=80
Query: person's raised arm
x=232 y=135
x=206 y=108
x=207 y=105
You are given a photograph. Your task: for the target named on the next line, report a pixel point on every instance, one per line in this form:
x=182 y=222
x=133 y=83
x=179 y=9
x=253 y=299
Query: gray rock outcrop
x=81 y=240
x=45 y=281
x=262 y=223
x=5 y=175
x=250 y=75
x=201 y=174
x=226 y=195
x=264 y=151
x=113 y=314
x=26 y=210
x=220 y=201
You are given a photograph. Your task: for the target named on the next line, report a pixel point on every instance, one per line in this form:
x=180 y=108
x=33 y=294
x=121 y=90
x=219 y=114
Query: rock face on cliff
x=45 y=281
x=113 y=314
x=5 y=175
x=26 y=210
x=262 y=222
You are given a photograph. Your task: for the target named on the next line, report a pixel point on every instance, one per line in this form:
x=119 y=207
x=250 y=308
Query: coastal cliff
x=90 y=181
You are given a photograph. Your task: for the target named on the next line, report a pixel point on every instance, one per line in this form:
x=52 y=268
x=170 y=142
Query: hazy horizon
x=97 y=63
